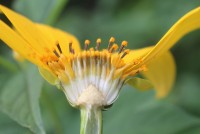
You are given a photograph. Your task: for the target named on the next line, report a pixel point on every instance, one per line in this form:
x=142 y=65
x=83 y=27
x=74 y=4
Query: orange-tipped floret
x=113 y=48
x=123 y=45
x=87 y=43
x=98 y=44
x=91 y=57
x=111 y=41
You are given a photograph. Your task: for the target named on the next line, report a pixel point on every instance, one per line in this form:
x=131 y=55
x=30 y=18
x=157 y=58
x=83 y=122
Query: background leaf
x=134 y=112
x=19 y=99
x=59 y=117
x=141 y=23
x=45 y=11
x=140 y=113
x=6 y=124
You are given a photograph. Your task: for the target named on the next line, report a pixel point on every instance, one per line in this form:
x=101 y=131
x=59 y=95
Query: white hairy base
x=91 y=96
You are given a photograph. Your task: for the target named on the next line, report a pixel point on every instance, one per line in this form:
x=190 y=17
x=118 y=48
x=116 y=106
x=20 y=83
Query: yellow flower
x=102 y=72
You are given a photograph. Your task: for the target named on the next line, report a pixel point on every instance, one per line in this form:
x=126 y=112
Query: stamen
x=59 y=48
x=124 y=44
x=111 y=41
x=98 y=44
x=87 y=43
x=56 y=53
x=71 y=50
x=91 y=49
x=142 y=69
x=127 y=51
x=113 y=48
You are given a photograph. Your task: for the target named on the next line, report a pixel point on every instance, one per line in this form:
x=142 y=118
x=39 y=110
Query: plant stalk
x=91 y=120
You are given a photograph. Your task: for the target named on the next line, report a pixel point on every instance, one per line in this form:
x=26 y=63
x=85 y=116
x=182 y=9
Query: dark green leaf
x=59 y=116
x=19 y=99
x=6 y=64
x=8 y=126
x=140 y=113
x=45 y=11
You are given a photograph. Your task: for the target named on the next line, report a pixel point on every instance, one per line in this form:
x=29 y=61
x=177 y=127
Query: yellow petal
x=138 y=53
x=188 y=23
x=13 y=40
x=27 y=30
x=60 y=37
x=33 y=40
x=52 y=79
x=162 y=72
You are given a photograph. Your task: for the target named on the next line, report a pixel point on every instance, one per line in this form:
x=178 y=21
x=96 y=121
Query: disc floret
x=103 y=70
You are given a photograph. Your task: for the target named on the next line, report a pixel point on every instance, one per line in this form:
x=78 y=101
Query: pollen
x=98 y=44
x=104 y=69
x=112 y=40
x=113 y=48
x=124 y=43
x=87 y=43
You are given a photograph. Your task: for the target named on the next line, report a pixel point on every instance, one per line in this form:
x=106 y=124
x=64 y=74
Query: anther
x=91 y=49
x=98 y=44
x=111 y=41
x=71 y=50
x=56 y=53
x=127 y=51
x=123 y=44
x=59 y=48
x=113 y=48
x=87 y=43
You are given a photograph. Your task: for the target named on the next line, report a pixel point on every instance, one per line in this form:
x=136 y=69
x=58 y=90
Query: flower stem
x=91 y=120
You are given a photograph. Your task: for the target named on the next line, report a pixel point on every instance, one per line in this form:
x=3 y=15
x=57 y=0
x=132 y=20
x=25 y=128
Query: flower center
x=105 y=70
x=91 y=96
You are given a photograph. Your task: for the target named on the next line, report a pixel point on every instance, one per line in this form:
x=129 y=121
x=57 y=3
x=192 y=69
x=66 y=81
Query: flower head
x=93 y=76
x=100 y=70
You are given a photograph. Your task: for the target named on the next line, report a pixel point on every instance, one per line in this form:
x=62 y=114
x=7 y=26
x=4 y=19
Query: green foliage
x=43 y=11
x=7 y=65
x=8 y=126
x=142 y=23
x=134 y=112
x=138 y=112
x=19 y=99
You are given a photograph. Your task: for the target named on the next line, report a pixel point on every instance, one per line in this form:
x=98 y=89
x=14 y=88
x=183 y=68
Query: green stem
x=91 y=120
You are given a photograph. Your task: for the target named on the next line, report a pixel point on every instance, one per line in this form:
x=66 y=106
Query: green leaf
x=44 y=11
x=19 y=99
x=8 y=126
x=139 y=83
x=186 y=93
x=9 y=66
x=56 y=8
x=59 y=117
x=138 y=112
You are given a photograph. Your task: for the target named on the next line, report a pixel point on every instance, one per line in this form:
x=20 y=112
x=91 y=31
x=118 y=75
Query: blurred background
x=27 y=107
